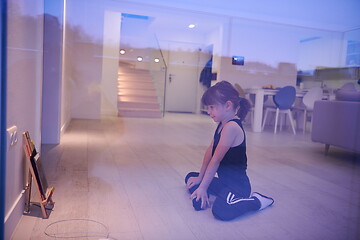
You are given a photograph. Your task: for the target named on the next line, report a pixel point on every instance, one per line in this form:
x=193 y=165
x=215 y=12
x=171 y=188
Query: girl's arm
x=207 y=157
x=213 y=166
x=206 y=160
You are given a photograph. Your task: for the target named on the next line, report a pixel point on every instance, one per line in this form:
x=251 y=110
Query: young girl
x=226 y=155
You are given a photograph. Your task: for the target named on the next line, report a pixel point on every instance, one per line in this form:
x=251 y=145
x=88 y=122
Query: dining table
x=260 y=93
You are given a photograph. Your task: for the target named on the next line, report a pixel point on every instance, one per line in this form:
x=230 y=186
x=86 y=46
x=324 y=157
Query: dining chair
x=307 y=105
x=284 y=100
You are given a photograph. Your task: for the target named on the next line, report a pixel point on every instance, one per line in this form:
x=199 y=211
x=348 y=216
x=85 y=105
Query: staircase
x=137 y=95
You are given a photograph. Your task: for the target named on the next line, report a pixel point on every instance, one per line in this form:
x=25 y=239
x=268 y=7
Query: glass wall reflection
x=275 y=54
x=89 y=59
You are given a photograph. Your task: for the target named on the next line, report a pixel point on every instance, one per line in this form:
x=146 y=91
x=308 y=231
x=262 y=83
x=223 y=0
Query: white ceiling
x=333 y=15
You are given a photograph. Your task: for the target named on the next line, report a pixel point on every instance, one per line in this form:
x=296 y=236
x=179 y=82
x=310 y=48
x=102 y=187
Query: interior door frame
x=168 y=72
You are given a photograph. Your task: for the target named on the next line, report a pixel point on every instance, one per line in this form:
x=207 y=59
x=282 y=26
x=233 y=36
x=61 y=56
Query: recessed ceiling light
x=139 y=59
x=156 y=60
x=191 y=25
x=122 y=51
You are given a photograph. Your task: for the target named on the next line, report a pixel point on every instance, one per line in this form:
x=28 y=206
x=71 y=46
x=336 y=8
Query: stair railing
x=159 y=55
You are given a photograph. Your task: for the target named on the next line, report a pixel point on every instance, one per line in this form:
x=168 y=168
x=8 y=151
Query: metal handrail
x=163 y=59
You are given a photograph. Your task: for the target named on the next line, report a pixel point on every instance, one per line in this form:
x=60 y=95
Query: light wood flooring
x=128 y=174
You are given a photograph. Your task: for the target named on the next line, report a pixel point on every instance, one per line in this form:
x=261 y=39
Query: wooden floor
x=126 y=175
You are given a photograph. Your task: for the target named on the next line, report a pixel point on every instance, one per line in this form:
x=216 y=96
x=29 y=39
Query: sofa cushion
x=348 y=87
x=345 y=95
x=348 y=93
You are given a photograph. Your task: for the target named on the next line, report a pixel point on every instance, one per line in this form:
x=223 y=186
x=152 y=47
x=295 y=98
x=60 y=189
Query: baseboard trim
x=13 y=216
x=14 y=206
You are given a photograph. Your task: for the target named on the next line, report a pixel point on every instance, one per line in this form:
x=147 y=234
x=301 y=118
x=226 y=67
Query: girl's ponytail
x=244 y=107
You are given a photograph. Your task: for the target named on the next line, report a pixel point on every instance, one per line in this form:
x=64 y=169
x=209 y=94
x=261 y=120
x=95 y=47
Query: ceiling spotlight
x=191 y=25
x=139 y=59
x=156 y=60
x=122 y=51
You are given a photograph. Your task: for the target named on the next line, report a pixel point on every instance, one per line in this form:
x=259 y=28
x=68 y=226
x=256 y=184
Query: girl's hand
x=193 y=181
x=200 y=194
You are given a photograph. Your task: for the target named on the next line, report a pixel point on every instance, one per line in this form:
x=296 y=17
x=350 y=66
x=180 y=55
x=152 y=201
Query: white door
x=182 y=78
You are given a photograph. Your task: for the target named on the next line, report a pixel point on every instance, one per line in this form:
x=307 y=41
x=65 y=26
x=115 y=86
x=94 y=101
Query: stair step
x=137 y=79
x=133 y=71
x=133 y=83
x=134 y=79
x=126 y=64
x=142 y=88
x=138 y=104
x=148 y=99
x=145 y=113
x=127 y=84
x=137 y=92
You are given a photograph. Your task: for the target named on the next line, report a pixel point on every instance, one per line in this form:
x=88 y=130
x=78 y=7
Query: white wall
x=110 y=63
x=270 y=52
x=92 y=48
x=52 y=75
x=83 y=59
x=66 y=86
x=274 y=52
x=320 y=49
x=56 y=111
x=25 y=42
x=263 y=42
x=336 y=15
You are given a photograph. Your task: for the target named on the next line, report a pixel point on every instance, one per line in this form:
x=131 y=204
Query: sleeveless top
x=232 y=168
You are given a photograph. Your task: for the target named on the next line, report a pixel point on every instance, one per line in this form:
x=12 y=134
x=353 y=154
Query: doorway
x=182 y=77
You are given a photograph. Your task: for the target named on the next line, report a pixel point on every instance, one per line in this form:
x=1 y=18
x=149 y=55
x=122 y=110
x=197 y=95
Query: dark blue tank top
x=232 y=168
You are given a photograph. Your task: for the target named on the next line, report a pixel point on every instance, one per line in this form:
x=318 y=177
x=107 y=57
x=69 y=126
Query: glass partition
x=2 y=114
x=107 y=33
x=159 y=73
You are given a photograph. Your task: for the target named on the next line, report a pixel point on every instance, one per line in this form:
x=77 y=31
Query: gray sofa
x=337 y=123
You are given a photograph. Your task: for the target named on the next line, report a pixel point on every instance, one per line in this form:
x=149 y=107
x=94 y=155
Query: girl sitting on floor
x=226 y=155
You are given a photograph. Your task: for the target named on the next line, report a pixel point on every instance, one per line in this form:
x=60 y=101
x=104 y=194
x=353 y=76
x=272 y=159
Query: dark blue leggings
x=231 y=201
